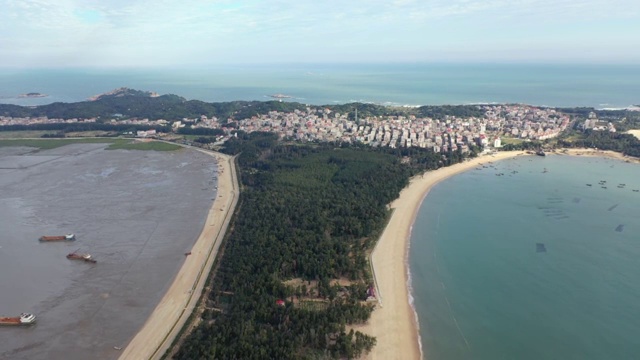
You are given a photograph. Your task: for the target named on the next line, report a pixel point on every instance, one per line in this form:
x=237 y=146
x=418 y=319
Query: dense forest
x=168 y=107
x=294 y=273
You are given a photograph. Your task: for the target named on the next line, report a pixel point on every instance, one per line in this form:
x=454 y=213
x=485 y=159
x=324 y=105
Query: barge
x=79 y=256
x=22 y=320
x=67 y=237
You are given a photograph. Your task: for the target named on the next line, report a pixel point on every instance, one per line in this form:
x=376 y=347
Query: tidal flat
x=136 y=212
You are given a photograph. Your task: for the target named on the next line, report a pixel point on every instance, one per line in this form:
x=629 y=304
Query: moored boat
x=79 y=256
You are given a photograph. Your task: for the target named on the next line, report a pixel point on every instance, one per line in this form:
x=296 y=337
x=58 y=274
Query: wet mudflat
x=136 y=212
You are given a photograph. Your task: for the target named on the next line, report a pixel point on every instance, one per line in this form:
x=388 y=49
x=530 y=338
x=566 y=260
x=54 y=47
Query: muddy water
x=136 y=212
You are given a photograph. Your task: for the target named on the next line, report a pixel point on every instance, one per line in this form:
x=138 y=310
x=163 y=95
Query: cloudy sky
x=160 y=33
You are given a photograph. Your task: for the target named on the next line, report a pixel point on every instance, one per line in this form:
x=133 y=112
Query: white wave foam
x=411 y=299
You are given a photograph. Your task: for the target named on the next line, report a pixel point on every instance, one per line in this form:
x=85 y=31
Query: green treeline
x=200 y=131
x=435 y=112
x=136 y=104
x=524 y=145
x=626 y=144
x=307 y=216
x=168 y=107
x=84 y=126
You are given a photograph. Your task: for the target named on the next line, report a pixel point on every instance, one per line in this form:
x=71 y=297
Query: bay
x=484 y=289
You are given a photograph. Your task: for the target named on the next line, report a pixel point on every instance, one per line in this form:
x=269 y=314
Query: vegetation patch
x=46 y=144
x=97 y=133
x=510 y=140
x=312 y=305
x=144 y=145
x=626 y=144
x=5 y=135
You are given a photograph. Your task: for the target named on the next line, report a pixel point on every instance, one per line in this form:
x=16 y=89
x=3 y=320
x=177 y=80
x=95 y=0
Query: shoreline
x=597 y=153
x=160 y=329
x=394 y=322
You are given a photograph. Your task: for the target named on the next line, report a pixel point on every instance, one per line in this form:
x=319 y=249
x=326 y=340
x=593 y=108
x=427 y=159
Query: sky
x=162 y=33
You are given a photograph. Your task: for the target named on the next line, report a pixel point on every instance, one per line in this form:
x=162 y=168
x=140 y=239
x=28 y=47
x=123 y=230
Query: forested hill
x=168 y=107
x=294 y=273
x=141 y=104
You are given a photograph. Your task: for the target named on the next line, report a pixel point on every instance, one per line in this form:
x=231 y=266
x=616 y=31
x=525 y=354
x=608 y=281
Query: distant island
x=124 y=91
x=280 y=96
x=32 y=95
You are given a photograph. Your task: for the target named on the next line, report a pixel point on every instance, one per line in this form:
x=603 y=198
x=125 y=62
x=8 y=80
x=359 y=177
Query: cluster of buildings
x=7 y=120
x=592 y=122
x=450 y=133
x=441 y=135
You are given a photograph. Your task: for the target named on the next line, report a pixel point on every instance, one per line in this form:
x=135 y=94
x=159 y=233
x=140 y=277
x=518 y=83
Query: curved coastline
x=394 y=322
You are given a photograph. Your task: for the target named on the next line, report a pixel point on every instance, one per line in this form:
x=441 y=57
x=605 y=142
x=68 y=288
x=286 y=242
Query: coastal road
x=171 y=314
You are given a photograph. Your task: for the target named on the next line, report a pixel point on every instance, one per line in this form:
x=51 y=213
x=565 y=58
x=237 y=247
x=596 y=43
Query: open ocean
x=530 y=264
x=600 y=86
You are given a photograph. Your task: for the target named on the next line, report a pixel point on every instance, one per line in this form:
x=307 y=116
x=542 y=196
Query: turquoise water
x=600 y=86
x=481 y=289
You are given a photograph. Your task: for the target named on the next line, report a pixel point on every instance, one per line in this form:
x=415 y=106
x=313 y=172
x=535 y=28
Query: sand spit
x=168 y=318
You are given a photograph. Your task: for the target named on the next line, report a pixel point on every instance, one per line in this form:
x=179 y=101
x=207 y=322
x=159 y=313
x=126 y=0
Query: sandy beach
x=393 y=322
x=599 y=153
x=158 y=332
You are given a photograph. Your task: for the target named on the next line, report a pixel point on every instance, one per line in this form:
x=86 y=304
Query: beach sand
x=167 y=319
x=393 y=322
x=635 y=133
x=599 y=153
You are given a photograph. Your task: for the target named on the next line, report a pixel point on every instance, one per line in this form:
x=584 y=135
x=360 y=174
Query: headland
x=600 y=153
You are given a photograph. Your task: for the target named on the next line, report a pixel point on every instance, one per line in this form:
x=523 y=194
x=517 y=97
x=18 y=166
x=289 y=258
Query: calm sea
x=532 y=264
x=600 y=86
